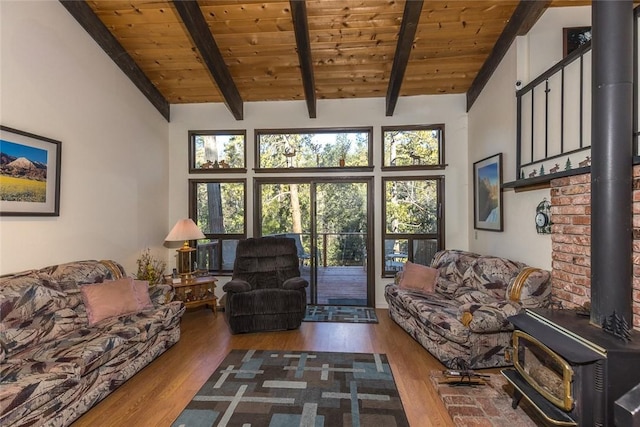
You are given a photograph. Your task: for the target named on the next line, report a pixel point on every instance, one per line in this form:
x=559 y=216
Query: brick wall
x=571 y=241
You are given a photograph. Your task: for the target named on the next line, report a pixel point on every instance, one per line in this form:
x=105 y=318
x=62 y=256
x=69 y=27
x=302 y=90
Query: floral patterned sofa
x=54 y=365
x=465 y=317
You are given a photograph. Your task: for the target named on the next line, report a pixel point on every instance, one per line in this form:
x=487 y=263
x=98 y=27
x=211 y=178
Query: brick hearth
x=571 y=240
x=486 y=405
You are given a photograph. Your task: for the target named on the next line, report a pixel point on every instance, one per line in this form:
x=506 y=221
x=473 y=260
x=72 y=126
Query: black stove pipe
x=612 y=158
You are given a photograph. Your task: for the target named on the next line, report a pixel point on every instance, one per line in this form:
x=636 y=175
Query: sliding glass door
x=330 y=220
x=340 y=235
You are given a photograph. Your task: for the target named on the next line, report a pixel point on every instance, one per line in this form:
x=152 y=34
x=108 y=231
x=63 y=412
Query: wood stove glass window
x=546 y=371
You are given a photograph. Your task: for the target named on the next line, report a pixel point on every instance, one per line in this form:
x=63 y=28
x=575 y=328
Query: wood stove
x=572 y=367
x=572 y=372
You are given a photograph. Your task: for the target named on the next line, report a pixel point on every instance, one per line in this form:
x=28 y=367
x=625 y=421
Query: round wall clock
x=543 y=217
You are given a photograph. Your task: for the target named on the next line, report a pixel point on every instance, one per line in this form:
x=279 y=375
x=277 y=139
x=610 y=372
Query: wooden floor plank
x=156 y=395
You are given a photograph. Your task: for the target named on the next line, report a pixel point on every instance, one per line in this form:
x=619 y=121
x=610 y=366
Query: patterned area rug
x=253 y=388
x=340 y=313
x=485 y=405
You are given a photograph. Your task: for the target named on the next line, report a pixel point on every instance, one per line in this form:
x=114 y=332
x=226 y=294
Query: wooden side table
x=196 y=292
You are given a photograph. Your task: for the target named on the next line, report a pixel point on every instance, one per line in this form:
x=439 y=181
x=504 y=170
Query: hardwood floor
x=156 y=395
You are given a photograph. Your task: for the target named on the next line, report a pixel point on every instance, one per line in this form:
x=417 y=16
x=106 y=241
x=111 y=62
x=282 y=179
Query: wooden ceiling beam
x=301 y=29
x=85 y=16
x=524 y=17
x=410 y=18
x=197 y=26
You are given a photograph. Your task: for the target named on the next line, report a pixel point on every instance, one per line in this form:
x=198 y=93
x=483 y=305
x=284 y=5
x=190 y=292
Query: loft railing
x=554 y=117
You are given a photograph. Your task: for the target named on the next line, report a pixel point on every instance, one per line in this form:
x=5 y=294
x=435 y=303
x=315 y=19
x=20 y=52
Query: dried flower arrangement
x=150 y=268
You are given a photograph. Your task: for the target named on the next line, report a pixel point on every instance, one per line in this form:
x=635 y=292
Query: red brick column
x=571 y=241
x=636 y=247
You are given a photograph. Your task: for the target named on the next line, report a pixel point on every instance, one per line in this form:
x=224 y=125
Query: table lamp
x=184 y=231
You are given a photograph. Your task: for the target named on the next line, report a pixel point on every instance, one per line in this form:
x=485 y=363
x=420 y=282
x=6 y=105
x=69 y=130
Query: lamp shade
x=185 y=229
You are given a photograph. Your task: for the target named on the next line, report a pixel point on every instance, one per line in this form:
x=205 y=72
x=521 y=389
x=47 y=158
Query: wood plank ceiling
x=269 y=50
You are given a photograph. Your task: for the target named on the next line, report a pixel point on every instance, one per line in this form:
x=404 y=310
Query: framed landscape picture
x=487 y=193
x=29 y=174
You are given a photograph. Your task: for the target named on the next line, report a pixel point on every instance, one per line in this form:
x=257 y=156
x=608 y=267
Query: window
x=218 y=207
x=413 y=147
x=330 y=218
x=413 y=223
x=413 y=220
x=314 y=149
x=217 y=151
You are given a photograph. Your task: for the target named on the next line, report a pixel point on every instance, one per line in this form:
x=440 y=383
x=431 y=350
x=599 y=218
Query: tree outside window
x=314 y=148
x=217 y=151
x=413 y=147
x=218 y=207
x=412 y=220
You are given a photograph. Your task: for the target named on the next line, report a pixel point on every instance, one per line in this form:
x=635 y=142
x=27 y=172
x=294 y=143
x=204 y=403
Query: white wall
x=545 y=38
x=447 y=109
x=125 y=170
x=57 y=82
x=492 y=130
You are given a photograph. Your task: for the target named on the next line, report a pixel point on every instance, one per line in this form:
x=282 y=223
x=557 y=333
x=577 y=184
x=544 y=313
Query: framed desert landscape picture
x=487 y=193
x=29 y=174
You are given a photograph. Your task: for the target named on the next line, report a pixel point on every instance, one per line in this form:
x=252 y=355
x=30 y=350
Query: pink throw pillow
x=417 y=277
x=141 y=291
x=109 y=299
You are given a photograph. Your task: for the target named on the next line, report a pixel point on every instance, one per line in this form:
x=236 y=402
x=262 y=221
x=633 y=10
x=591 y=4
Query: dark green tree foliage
x=411 y=147
x=214 y=208
x=341 y=213
x=277 y=215
x=411 y=206
x=340 y=217
x=285 y=208
x=274 y=149
x=313 y=150
x=360 y=156
x=234 y=151
x=220 y=206
x=233 y=207
x=227 y=148
x=231 y=204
